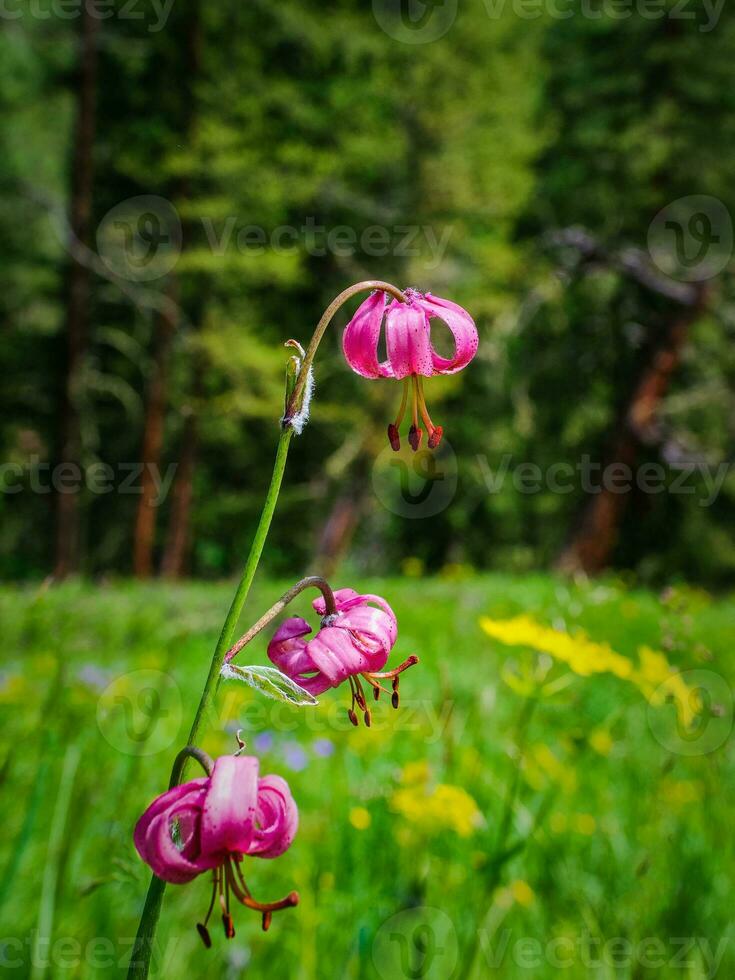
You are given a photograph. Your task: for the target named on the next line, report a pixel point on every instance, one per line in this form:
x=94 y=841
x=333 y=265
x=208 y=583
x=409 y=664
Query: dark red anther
x=366 y=716
x=415 y=436
x=376 y=693
x=395 y=699
x=435 y=437
x=353 y=717
x=204 y=933
x=393 y=437
x=267 y=916
x=229 y=926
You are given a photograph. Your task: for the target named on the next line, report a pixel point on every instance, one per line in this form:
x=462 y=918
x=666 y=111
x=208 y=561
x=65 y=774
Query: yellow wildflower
x=360 y=818
x=654 y=677
x=658 y=682
x=581 y=654
x=601 y=741
x=585 y=823
x=522 y=893
x=679 y=792
x=415 y=772
x=434 y=809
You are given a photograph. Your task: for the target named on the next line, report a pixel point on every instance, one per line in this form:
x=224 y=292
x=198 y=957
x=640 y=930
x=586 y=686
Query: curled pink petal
x=154 y=833
x=277 y=818
x=360 y=337
x=165 y=857
x=463 y=330
x=287 y=648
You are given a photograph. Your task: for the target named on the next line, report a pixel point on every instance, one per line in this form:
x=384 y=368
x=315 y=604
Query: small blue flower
x=323 y=747
x=295 y=756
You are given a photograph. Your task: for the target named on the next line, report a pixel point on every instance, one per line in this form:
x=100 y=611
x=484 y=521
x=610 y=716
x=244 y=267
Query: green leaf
x=270 y=682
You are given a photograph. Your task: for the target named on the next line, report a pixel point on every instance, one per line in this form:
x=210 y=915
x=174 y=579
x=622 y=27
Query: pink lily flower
x=353 y=642
x=211 y=823
x=411 y=354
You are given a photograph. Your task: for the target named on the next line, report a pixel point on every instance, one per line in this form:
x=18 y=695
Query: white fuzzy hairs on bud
x=300 y=418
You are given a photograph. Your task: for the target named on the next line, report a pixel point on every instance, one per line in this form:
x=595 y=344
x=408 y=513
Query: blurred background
x=184 y=187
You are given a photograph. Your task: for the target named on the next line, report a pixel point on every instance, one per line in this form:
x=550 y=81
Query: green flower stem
x=141 y=956
x=256 y=550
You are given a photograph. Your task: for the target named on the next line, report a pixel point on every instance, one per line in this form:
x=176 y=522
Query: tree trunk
x=153 y=430
x=77 y=305
x=337 y=532
x=343 y=519
x=592 y=544
x=174 y=562
x=167 y=321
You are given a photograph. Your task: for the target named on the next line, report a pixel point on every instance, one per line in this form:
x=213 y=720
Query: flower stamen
x=231 y=878
x=393 y=676
x=393 y=435
x=415 y=433
x=202 y=926
x=435 y=431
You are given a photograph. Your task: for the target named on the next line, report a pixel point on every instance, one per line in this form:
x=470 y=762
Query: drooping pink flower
x=211 y=823
x=353 y=641
x=411 y=354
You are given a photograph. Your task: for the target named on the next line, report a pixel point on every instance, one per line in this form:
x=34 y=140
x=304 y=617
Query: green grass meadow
x=510 y=819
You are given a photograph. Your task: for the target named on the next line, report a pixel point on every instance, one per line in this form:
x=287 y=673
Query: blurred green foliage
x=619 y=851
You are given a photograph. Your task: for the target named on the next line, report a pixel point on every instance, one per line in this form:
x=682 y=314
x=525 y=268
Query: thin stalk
x=189 y=752
x=49 y=884
x=321 y=327
x=315 y=581
x=501 y=853
x=141 y=955
x=256 y=550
